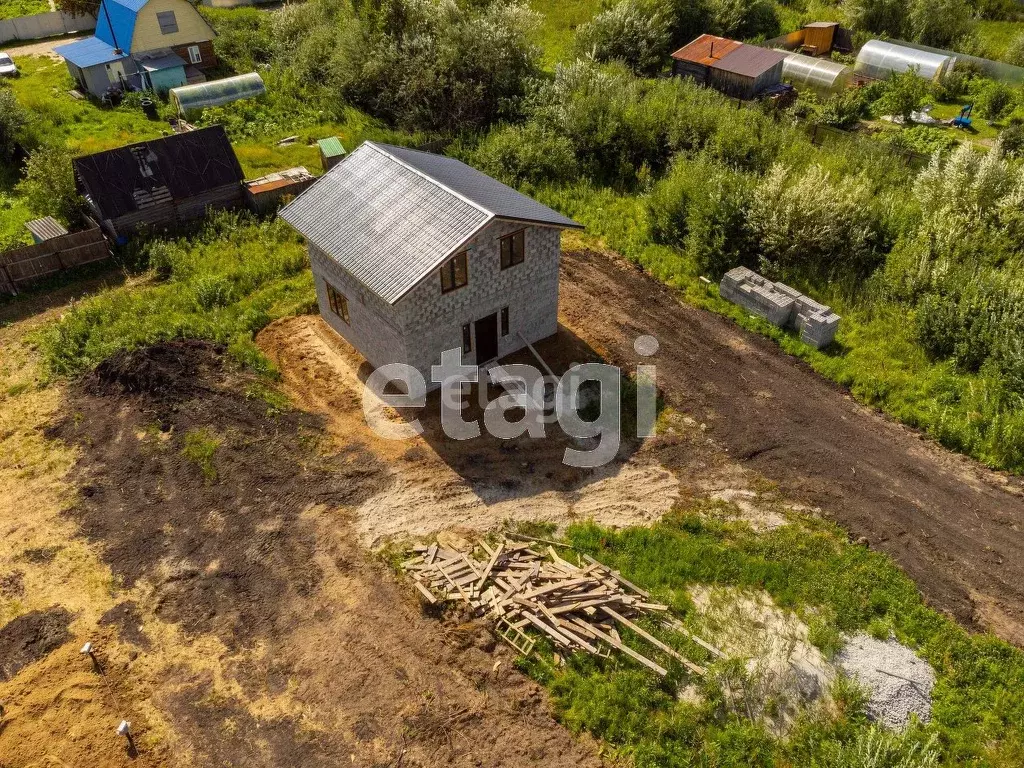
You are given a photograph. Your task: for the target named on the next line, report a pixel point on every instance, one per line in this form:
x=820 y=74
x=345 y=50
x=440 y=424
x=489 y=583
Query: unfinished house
x=414 y=254
x=162 y=183
x=781 y=305
x=733 y=68
x=141 y=45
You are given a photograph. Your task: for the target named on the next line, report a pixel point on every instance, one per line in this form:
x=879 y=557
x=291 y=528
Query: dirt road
x=955 y=527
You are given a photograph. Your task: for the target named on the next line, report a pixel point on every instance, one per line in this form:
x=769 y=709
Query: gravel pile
x=898 y=681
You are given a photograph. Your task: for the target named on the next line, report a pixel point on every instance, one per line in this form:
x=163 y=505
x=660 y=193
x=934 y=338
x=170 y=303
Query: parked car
x=7 y=67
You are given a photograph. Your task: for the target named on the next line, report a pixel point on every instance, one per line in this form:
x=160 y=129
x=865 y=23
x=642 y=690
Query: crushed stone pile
x=900 y=684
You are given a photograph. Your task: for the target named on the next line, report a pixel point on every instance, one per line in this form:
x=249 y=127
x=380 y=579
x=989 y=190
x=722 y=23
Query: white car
x=7 y=68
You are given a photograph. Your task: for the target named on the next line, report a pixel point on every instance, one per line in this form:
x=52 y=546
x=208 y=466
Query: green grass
x=837 y=587
x=996 y=35
x=223 y=283
x=200 y=447
x=12 y=9
x=559 y=25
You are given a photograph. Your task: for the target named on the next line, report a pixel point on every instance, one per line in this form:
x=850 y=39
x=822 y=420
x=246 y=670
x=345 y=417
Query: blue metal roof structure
x=115 y=22
x=89 y=52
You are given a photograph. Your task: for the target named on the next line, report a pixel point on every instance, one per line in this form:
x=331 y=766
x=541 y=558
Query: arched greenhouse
x=879 y=59
x=194 y=98
x=821 y=75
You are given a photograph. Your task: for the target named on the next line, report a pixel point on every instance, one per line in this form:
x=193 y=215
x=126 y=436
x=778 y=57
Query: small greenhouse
x=194 y=98
x=821 y=75
x=879 y=59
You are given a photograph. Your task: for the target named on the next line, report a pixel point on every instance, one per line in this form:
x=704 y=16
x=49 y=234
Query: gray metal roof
x=390 y=216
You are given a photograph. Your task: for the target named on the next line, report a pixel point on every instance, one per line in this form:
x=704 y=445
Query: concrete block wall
x=781 y=305
x=373 y=328
x=433 y=321
x=425 y=322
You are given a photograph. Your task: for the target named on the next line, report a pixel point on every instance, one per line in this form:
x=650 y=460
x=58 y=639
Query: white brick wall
x=426 y=322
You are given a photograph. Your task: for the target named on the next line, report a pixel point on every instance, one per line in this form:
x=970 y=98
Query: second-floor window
x=513 y=249
x=168 y=24
x=455 y=272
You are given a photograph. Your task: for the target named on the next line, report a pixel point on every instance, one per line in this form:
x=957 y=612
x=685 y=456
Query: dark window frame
x=450 y=272
x=511 y=257
x=467 y=338
x=338 y=302
x=167 y=22
x=504 y=321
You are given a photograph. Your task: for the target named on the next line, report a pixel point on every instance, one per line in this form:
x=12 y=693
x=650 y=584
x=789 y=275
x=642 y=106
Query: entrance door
x=486 y=338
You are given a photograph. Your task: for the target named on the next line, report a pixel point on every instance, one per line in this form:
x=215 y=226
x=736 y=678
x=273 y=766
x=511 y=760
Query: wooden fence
x=23 y=266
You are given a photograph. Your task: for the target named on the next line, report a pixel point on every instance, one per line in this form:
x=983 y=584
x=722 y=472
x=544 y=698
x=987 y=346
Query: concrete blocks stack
x=781 y=305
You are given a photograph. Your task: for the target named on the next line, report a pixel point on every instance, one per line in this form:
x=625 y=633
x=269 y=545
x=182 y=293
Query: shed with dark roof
x=735 y=69
x=160 y=183
x=414 y=254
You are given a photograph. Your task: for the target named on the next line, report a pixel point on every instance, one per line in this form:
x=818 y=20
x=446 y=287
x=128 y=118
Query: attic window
x=455 y=272
x=168 y=24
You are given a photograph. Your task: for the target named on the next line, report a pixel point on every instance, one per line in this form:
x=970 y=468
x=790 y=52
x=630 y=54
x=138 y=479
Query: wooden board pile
x=577 y=607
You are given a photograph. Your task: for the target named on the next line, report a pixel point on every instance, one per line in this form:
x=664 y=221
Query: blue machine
x=964 y=118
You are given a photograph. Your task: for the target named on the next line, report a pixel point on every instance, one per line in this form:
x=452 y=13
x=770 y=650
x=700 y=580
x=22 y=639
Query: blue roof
x=88 y=52
x=115 y=22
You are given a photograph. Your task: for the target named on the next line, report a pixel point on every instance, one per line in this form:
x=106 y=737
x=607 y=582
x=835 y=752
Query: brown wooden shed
x=737 y=70
x=818 y=36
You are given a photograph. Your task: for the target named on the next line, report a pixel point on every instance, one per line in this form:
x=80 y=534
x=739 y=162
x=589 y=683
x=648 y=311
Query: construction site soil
x=953 y=525
x=322 y=658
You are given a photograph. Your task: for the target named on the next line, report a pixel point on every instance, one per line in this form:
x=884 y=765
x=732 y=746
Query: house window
x=168 y=24
x=194 y=55
x=467 y=340
x=455 y=272
x=504 y=321
x=513 y=249
x=338 y=302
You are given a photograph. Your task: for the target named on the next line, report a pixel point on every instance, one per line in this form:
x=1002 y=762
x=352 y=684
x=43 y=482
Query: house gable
x=188 y=26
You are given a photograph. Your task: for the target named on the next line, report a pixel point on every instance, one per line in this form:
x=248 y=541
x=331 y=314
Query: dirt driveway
x=954 y=526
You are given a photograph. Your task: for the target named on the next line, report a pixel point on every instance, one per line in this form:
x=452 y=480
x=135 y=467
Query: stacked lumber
x=578 y=607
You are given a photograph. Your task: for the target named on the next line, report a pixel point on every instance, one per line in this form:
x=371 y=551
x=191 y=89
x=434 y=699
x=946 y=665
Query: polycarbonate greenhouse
x=879 y=59
x=821 y=75
x=193 y=98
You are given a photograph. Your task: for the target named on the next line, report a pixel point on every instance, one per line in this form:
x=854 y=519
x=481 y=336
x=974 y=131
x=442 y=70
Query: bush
x=525 y=154
x=13 y=121
x=1012 y=138
x=882 y=17
x=904 y=93
x=995 y=100
x=245 y=38
x=1014 y=53
x=811 y=225
x=744 y=19
x=49 y=185
x=628 y=32
x=941 y=23
x=843 y=109
x=922 y=139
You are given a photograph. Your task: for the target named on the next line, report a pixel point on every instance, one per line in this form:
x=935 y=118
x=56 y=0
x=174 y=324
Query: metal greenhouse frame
x=193 y=98
x=821 y=75
x=879 y=59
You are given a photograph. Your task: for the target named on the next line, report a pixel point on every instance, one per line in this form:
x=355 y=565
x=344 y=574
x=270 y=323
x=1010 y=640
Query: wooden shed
x=265 y=194
x=818 y=37
x=331 y=152
x=160 y=183
x=737 y=70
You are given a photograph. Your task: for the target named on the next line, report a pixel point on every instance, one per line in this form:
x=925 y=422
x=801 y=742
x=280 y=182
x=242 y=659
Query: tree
x=13 y=121
x=941 y=23
x=743 y=19
x=1014 y=53
x=78 y=7
x=883 y=17
x=49 y=184
x=904 y=94
x=628 y=32
x=995 y=100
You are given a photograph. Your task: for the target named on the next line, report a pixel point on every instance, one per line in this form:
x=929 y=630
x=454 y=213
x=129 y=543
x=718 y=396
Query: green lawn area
x=996 y=35
x=12 y=9
x=561 y=17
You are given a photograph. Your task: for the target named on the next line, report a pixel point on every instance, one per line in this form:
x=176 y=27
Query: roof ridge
x=381 y=148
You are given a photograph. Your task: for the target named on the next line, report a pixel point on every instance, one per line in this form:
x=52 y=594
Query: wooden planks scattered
x=577 y=607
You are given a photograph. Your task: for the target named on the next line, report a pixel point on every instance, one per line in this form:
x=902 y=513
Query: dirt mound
x=169 y=368
x=30 y=637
